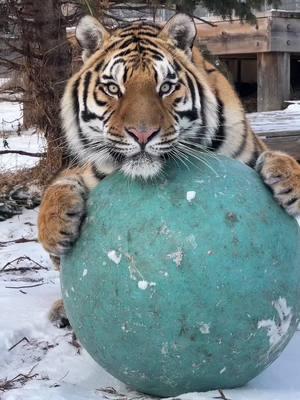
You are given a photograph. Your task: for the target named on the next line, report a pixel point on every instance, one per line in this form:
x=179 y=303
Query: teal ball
x=187 y=283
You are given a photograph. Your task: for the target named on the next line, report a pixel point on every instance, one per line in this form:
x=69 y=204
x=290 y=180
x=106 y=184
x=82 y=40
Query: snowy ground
x=40 y=362
x=10 y=116
x=28 y=142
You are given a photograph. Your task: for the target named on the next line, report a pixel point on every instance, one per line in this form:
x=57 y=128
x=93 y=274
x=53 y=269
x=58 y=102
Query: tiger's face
x=133 y=104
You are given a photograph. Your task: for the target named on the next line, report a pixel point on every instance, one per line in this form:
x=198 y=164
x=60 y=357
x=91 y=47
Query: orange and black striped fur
x=145 y=94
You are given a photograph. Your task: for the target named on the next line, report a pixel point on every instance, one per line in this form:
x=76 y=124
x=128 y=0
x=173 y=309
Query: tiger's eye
x=166 y=88
x=113 y=88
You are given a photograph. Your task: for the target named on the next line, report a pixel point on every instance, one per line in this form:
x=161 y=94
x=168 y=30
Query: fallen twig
x=20 y=240
x=8 y=384
x=63 y=377
x=205 y=21
x=222 y=395
x=29 y=223
x=110 y=393
x=22 y=258
x=24 y=287
x=20 y=341
x=109 y=390
x=74 y=342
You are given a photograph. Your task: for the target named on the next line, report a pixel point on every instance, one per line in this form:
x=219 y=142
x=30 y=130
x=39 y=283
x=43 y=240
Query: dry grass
x=18 y=381
x=38 y=175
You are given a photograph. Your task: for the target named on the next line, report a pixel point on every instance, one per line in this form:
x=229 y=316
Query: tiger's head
x=139 y=97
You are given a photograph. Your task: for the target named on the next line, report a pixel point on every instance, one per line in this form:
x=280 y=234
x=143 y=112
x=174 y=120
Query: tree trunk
x=56 y=71
x=47 y=67
x=186 y=6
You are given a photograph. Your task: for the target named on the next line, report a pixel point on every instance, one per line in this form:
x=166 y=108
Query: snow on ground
x=10 y=115
x=58 y=370
x=29 y=142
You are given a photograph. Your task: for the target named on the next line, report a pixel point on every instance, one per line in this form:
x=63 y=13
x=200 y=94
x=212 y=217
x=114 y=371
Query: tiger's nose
x=142 y=136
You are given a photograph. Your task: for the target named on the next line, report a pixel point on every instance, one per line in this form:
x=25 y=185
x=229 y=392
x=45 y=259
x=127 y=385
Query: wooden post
x=273 y=80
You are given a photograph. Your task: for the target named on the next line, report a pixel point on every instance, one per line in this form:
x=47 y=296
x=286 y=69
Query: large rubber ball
x=188 y=283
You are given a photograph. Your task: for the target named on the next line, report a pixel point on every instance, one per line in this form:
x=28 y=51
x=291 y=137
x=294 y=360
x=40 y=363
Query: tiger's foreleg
x=62 y=212
x=281 y=173
x=63 y=209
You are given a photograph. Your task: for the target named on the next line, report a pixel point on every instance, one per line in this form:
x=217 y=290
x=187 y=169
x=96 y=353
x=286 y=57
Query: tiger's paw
x=61 y=214
x=57 y=315
x=282 y=174
x=55 y=262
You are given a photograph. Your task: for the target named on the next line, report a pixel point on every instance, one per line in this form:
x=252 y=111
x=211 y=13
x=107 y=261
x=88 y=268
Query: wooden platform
x=277 y=31
x=270 y=41
x=280 y=130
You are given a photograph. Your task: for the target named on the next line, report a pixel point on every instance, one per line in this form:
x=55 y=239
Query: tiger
x=145 y=93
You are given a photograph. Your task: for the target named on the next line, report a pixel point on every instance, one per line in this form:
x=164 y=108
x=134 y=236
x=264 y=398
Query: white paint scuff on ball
x=277 y=332
x=114 y=257
x=190 y=195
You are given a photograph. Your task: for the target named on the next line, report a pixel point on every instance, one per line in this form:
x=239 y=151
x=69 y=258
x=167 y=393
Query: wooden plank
x=285 y=34
x=288 y=144
x=280 y=130
x=273 y=80
x=285 y=43
x=275 y=123
x=285 y=14
x=278 y=32
x=275 y=134
x=235 y=37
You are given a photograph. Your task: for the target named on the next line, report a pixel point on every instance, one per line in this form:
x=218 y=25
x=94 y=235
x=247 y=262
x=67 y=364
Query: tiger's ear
x=90 y=35
x=182 y=29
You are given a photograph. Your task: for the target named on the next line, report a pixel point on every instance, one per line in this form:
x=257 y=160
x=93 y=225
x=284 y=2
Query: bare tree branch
x=23 y=153
x=20 y=240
